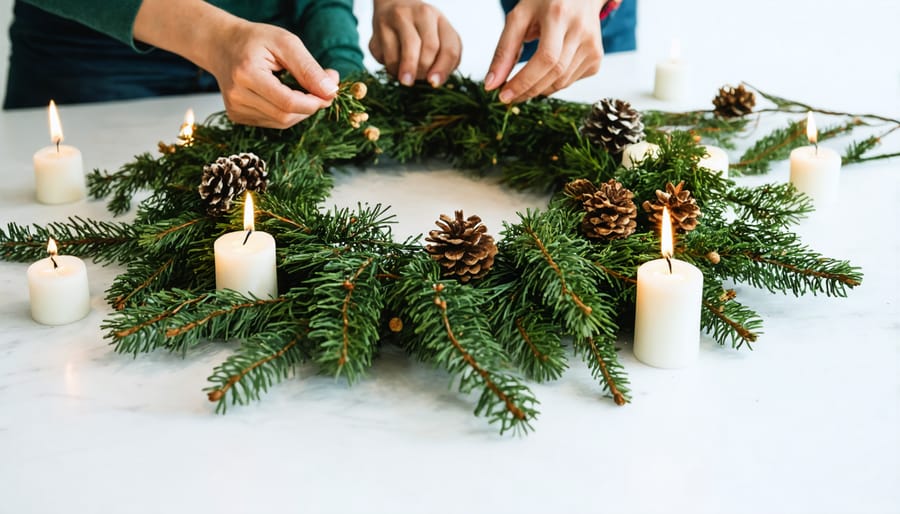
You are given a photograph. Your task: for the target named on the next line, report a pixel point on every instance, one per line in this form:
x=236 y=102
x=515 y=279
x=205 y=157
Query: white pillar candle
x=816 y=170
x=637 y=152
x=245 y=260
x=58 y=169
x=58 y=288
x=671 y=80
x=667 y=311
x=715 y=160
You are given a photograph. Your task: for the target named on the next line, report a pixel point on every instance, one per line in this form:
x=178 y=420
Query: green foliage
x=343 y=277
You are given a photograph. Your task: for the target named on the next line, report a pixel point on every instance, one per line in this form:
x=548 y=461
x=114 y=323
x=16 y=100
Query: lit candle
x=671 y=75
x=634 y=153
x=58 y=288
x=715 y=160
x=816 y=170
x=667 y=315
x=58 y=170
x=245 y=260
x=186 y=133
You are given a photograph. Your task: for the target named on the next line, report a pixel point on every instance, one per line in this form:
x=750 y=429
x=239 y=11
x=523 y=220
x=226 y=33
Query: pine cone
x=610 y=212
x=732 y=102
x=612 y=124
x=682 y=207
x=253 y=171
x=462 y=247
x=576 y=189
x=220 y=184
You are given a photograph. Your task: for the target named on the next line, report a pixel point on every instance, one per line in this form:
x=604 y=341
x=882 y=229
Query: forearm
x=188 y=28
x=114 y=19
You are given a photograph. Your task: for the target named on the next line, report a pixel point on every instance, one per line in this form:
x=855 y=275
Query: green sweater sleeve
x=328 y=29
x=115 y=18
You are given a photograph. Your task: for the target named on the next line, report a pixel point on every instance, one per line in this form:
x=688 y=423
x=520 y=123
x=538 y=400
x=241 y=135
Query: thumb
x=297 y=60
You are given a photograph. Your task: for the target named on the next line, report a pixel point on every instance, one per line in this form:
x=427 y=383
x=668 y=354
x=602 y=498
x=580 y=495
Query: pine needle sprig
x=104 y=242
x=345 y=315
x=262 y=360
x=727 y=321
x=179 y=320
x=770 y=204
x=450 y=330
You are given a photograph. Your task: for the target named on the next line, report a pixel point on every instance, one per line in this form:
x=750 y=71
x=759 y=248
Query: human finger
x=544 y=64
x=427 y=28
x=508 y=47
x=293 y=55
x=449 y=56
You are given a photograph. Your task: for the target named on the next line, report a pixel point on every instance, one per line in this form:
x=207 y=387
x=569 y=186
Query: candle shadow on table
x=19 y=197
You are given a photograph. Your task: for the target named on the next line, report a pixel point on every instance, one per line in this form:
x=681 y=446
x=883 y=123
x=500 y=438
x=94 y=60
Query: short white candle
x=58 y=288
x=816 y=170
x=667 y=311
x=245 y=260
x=715 y=160
x=635 y=153
x=671 y=82
x=58 y=169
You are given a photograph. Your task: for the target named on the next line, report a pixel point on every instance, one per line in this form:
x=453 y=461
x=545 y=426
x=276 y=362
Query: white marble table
x=808 y=422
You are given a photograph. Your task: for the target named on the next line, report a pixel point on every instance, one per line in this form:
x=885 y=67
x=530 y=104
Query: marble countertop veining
x=807 y=422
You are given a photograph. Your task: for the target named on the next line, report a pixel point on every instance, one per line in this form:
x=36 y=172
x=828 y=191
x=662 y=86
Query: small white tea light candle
x=58 y=288
x=667 y=316
x=635 y=153
x=245 y=260
x=186 y=132
x=715 y=160
x=816 y=170
x=671 y=80
x=58 y=169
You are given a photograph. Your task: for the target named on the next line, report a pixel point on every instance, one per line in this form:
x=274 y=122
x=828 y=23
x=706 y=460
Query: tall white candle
x=816 y=170
x=637 y=152
x=715 y=160
x=667 y=315
x=671 y=82
x=245 y=260
x=58 y=169
x=58 y=288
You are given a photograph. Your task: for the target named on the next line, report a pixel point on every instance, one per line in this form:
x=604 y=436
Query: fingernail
x=489 y=80
x=328 y=85
x=434 y=80
x=506 y=96
x=407 y=79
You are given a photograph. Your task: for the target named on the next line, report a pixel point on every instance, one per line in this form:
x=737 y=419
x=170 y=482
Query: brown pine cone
x=577 y=188
x=462 y=247
x=613 y=124
x=682 y=206
x=610 y=212
x=732 y=102
x=253 y=171
x=220 y=184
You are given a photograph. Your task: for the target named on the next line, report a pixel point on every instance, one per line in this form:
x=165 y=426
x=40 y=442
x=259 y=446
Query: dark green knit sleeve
x=328 y=29
x=115 y=18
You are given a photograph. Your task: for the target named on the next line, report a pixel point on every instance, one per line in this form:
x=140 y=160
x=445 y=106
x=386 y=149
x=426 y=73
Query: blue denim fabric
x=617 y=30
x=56 y=58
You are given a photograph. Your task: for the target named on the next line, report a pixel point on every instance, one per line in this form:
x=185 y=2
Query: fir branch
x=165 y=321
x=345 y=315
x=786 y=105
x=776 y=204
x=730 y=321
x=103 y=241
x=261 y=360
x=120 y=299
x=605 y=365
x=451 y=331
x=586 y=309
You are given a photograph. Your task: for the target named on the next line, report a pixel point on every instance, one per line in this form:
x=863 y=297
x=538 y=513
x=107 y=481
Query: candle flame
x=56 y=132
x=665 y=237
x=186 y=133
x=675 y=50
x=811 y=132
x=51 y=246
x=248 y=213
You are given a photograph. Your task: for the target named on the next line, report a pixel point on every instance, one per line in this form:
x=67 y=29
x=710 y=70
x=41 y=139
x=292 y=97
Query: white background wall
x=853 y=45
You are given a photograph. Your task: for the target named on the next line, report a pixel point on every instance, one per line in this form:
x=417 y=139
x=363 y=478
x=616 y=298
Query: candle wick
x=816 y=144
x=669 y=262
x=57 y=146
x=248 y=237
x=55 y=265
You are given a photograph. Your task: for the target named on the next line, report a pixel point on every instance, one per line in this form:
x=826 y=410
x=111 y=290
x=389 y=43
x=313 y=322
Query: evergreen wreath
x=347 y=287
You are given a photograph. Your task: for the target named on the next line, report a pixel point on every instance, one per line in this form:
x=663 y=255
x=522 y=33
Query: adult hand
x=570 y=47
x=414 y=41
x=242 y=56
x=244 y=68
